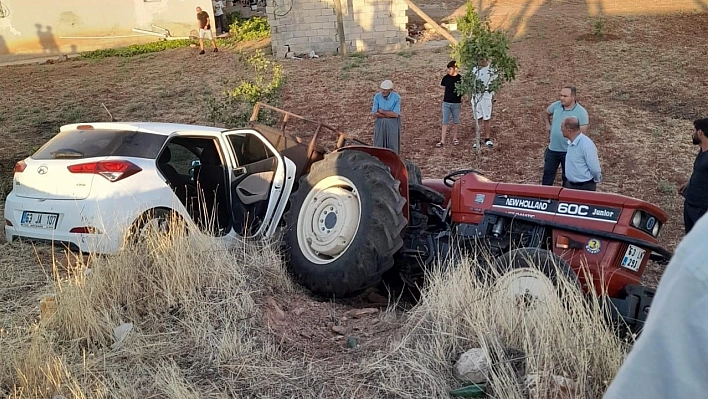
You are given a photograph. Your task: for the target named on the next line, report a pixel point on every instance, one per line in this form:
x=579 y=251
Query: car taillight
x=20 y=167
x=111 y=170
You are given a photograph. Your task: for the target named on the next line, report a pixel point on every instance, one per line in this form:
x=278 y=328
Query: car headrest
x=210 y=156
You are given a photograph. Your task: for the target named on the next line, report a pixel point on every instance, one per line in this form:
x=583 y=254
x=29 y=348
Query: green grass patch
x=136 y=49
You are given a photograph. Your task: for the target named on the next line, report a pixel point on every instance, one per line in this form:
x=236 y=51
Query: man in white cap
x=387 y=111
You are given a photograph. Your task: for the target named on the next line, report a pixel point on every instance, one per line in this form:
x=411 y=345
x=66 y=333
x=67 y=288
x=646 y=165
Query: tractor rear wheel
x=344 y=224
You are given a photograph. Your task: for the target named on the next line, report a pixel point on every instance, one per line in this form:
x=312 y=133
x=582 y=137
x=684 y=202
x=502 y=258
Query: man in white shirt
x=483 y=108
x=219 y=7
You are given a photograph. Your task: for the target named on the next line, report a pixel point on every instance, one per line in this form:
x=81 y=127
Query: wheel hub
x=329 y=219
x=528 y=289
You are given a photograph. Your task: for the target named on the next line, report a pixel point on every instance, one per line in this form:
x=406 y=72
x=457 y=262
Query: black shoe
x=201 y=52
x=216 y=50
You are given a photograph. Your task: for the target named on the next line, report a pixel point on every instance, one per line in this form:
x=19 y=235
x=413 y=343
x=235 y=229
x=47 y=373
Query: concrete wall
x=41 y=27
x=307 y=25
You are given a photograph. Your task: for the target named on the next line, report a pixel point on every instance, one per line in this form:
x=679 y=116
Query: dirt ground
x=641 y=85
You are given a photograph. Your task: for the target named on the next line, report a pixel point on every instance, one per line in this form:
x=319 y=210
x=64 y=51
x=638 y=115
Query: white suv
x=92 y=183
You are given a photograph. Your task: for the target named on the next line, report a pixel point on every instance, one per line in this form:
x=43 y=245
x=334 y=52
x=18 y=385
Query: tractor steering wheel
x=449 y=181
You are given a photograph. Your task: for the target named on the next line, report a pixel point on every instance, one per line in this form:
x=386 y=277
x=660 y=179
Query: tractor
x=358 y=213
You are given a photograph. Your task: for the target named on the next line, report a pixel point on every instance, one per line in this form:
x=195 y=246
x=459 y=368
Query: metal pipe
x=149 y=32
x=99 y=37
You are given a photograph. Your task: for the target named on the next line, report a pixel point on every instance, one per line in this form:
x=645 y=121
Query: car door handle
x=239 y=171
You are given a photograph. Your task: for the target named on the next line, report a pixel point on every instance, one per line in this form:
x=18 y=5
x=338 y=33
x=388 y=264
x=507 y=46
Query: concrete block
x=400 y=20
x=379 y=27
x=394 y=40
x=353 y=30
x=364 y=17
x=367 y=35
x=389 y=33
x=287 y=35
x=316 y=39
x=380 y=41
x=297 y=40
x=326 y=32
x=313 y=13
x=301 y=32
x=383 y=14
x=311 y=19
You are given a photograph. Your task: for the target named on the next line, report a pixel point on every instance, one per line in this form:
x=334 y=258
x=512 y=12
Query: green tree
x=479 y=43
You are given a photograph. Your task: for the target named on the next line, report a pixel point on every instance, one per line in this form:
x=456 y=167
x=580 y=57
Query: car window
x=77 y=144
x=181 y=158
x=248 y=148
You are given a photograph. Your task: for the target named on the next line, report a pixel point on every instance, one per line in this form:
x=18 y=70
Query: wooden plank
x=429 y=20
x=340 y=27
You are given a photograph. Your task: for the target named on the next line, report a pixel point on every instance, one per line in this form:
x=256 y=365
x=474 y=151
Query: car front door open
x=261 y=182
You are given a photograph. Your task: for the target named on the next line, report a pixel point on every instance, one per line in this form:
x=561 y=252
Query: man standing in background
x=695 y=191
x=558 y=146
x=386 y=109
x=219 y=15
x=582 y=165
x=204 y=30
x=452 y=103
x=482 y=102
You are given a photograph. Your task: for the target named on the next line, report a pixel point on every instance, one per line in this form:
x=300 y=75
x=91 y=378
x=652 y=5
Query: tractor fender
x=395 y=164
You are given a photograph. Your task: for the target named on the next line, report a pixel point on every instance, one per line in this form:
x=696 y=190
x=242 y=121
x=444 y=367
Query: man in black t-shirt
x=452 y=103
x=695 y=191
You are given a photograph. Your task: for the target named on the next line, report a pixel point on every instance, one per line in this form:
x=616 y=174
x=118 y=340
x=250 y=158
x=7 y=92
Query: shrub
x=234 y=107
x=250 y=29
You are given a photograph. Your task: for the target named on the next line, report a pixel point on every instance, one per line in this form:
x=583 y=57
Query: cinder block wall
x=305 y=25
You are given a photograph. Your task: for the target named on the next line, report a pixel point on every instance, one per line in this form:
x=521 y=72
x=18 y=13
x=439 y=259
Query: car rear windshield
x=76 y=144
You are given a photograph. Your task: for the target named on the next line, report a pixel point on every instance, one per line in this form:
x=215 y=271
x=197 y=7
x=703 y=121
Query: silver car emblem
x=42 y=170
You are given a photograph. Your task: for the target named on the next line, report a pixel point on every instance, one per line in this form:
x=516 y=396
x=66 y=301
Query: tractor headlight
x=655 y=230
x=637 y=219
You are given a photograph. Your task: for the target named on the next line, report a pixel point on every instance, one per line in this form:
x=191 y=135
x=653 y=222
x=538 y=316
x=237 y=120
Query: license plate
x=39 y=220
x=633 y=258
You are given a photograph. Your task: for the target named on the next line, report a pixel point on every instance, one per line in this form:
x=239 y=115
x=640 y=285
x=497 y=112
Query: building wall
x=306 y=25
x=40 y=27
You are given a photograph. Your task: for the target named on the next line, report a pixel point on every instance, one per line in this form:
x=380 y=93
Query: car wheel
x=159 y=222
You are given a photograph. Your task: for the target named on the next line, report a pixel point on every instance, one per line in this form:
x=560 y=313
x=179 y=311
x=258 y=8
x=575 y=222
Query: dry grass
x=193 y=306
x=200 y=328
x=461 y=309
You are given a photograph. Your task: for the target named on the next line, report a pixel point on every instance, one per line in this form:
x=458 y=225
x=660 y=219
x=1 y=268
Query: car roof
x=147 y=127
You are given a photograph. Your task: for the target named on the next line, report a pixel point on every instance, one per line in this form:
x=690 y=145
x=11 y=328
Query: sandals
x=439 y=144
x=456 y=142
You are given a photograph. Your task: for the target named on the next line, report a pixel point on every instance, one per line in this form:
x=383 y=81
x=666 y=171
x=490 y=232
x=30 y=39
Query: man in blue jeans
x=558 y=146
x=452 y=103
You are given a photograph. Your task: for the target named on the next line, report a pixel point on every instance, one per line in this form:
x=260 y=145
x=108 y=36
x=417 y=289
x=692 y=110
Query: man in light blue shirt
x=558 y=146
x=582 y=165
x=386 y=108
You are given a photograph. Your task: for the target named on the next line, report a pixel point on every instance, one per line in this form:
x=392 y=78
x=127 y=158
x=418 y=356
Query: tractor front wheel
x=531 y=279
x=344 y=224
